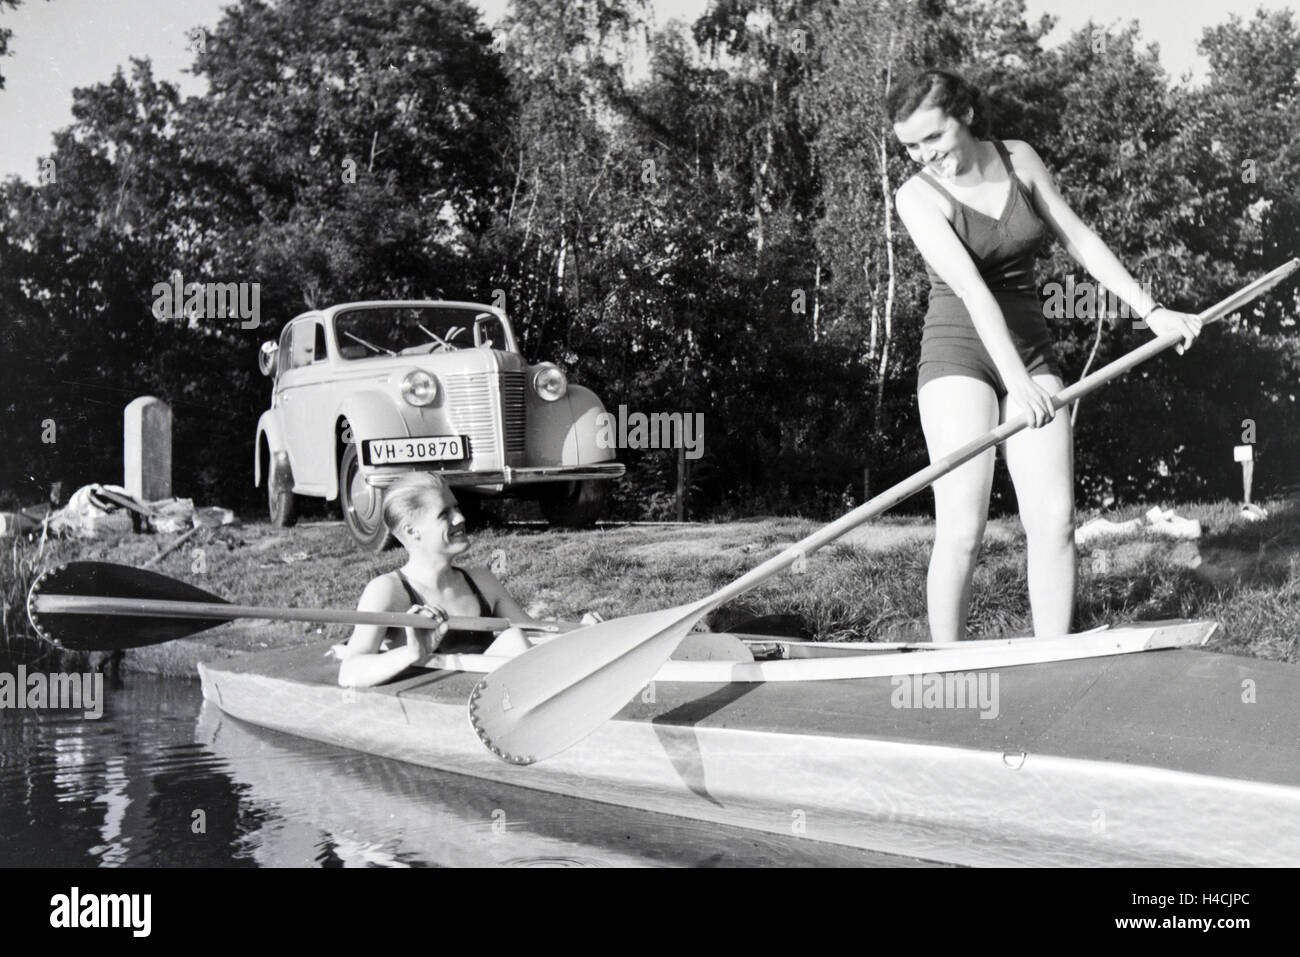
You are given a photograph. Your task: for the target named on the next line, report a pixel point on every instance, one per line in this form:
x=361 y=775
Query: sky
x=62 y=44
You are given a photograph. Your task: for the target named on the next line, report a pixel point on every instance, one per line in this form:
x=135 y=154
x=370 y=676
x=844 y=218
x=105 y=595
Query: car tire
x=281 y=503
x=361 y=505
x=573 y=504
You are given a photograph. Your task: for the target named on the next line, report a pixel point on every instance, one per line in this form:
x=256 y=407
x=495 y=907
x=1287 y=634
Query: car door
x=308 y=429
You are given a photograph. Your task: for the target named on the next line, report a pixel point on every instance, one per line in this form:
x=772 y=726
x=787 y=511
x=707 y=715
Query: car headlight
x=419 y=388
x=550 y=383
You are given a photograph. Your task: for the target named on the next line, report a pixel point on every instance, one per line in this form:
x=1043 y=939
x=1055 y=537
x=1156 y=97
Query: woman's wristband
x=1158 y=305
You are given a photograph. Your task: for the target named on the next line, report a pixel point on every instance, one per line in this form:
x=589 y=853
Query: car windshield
x=414 y=330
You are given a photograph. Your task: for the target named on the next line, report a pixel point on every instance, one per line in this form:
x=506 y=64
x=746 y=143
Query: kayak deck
x=1142 y=758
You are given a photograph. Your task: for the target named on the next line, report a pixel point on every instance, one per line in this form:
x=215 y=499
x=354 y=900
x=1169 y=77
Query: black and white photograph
x=625 y=434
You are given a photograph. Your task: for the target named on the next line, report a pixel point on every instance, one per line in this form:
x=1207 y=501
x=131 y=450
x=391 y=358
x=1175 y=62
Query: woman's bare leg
x=954 y=410
x=1041 y=462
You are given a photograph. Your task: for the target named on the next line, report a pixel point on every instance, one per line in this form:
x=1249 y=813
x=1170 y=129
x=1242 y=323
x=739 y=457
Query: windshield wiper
x=433 y=335
x=452 y=333
x=368 y=345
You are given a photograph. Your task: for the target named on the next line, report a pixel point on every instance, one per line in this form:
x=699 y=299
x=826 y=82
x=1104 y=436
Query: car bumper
x=381 y=478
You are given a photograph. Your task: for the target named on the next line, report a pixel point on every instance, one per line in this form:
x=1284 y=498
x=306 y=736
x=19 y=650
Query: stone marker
x=147 y=449
x=1245 y=454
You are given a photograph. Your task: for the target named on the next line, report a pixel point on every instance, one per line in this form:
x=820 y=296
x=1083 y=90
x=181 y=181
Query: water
x=163 y=780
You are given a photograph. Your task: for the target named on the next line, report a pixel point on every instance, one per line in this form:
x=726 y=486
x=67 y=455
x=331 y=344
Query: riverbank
x=870 y=585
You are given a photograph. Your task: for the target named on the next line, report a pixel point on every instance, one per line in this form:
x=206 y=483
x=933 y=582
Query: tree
x=245 y=184
x=875 y=278
x=714 y=236
x=349 y=151
x=1145 y=165
x=6 y=34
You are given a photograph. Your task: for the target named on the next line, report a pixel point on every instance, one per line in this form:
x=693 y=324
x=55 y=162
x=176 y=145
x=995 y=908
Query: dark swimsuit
x=457 y=640
x=484 y=606
x=1003 y=251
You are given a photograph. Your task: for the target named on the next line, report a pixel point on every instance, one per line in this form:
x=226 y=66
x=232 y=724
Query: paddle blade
x=92 y=632
x=555 y=694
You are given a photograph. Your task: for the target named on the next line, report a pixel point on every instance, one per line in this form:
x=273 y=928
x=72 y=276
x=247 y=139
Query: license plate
x=430 y=448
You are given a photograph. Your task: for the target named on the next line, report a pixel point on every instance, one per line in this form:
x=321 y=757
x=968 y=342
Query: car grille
x=513 y=385
x=472 y=410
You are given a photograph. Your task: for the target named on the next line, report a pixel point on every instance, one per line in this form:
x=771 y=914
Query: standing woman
x=978 y=211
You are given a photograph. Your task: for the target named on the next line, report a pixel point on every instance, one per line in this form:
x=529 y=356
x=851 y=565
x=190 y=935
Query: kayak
x=366 y=811
x=1129 y=748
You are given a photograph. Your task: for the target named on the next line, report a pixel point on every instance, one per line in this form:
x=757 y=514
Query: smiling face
x=437 y=527
x=939 y=142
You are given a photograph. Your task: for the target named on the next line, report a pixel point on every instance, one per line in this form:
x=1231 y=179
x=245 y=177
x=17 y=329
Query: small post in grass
x=1245 y=454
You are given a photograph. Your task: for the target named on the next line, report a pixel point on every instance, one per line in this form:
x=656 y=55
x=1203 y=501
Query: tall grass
x=1244 y=575
x=22 y=562
x=25 y=559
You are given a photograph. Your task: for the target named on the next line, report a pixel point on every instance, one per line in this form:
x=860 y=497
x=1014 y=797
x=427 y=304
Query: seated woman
x=421 y=512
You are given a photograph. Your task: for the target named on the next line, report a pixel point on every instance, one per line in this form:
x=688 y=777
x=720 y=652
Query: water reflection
x=337 y=806
x=165 y=780
x=116 y=791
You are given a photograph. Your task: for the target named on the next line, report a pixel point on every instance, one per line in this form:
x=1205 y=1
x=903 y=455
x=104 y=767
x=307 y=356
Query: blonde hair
x=409 y=495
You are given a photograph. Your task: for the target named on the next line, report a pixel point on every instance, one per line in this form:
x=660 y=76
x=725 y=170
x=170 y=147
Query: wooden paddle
x=557 y=693
x=100 y=606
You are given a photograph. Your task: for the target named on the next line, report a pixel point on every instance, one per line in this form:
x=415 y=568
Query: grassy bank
x=23 y=560
x=870 y=585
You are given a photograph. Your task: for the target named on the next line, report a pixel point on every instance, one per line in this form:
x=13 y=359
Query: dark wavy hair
x=948 y=91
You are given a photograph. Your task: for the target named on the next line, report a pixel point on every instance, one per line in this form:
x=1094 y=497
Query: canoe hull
x=1140 y=759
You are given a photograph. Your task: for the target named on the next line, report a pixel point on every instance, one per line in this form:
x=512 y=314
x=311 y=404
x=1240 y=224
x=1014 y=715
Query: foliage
x=6 y=34
x=689 y=219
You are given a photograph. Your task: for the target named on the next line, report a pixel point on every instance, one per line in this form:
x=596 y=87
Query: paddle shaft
x=927 y=476
x=155 y=608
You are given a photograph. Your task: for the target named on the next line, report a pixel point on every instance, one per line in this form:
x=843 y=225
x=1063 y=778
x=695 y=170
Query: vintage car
x=366 y=391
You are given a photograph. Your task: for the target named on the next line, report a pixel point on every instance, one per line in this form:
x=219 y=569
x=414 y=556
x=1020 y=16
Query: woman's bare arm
x=1078 y=238
x=1091 y=253
x=503 y=604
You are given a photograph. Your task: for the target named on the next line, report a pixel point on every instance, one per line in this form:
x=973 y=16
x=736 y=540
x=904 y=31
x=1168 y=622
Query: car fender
x=370 y=415
x=564 y=432
x=268 y=427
